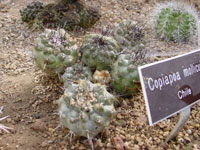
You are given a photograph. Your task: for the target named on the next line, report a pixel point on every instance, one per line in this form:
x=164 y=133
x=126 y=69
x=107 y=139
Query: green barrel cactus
x=99 y=52
x=30 y=11
x=53 y=53
x=128 y=35
x=175 y=22
x=75 y=73
x=124 y=76
x=86 y=108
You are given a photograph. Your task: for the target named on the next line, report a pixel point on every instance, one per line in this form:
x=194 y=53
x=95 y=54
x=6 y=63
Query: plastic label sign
x=170 y=85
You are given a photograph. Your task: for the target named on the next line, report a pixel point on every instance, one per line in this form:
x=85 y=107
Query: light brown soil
x=27 y=94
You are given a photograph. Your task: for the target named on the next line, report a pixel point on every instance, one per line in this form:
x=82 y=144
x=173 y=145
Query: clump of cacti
x=67 y=14
x=53 y=53
x=75 y=73
x=128 y=35
x=175 y=22
x=30 y=11
x=124 y=76
x=53 y=16
x=99 y=52
x=86 y=108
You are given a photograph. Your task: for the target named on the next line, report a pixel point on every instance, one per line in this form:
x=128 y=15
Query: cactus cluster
x=53 y=16
x=86 y=108
x=99 y=52
x=31 y=10
x=175 y=22
x=66 y=14
x=53 y=53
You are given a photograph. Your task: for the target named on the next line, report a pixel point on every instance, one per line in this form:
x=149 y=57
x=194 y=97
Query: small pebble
x=38 y=125
x=118 y=143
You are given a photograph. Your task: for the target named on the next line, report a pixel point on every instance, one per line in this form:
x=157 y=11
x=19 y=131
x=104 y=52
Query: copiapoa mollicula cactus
x=124 y=76
x=86 y=108
x=99 y=52
x=53 y=53
x=128 y=35
x=175 y=21
x=75 y=73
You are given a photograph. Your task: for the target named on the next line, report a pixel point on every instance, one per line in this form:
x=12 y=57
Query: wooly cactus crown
x=98 y=51
x=128 y=34
x=30 y=11
x=53 y=53
x=175 y=22
x=124 y=76
x=86 y=108
x=102 y=77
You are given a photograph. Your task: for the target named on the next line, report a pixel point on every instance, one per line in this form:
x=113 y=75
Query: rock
x=44 y=144
x=118 y=143
x=39 y=125
x=36 y=115
x=121 y=123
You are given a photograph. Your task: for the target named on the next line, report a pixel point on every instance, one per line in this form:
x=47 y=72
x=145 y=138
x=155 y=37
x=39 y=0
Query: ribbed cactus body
x=30 y=11
x=99 y=52
x=53 y=53
x=124 y=76
x=86 y=108
x=175 y=22
x=128 y=35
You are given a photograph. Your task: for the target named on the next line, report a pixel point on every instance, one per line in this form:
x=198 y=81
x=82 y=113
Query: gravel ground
x=30 y=98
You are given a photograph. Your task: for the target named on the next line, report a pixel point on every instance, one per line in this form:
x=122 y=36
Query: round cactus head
x=75 y=73
x=175 y=22
x=99 y=52
x=128 y=34
x=124 y=76
x=86 y=108
x=53 y=53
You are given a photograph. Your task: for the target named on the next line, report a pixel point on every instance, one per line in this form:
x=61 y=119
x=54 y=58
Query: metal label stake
x=183 y=117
